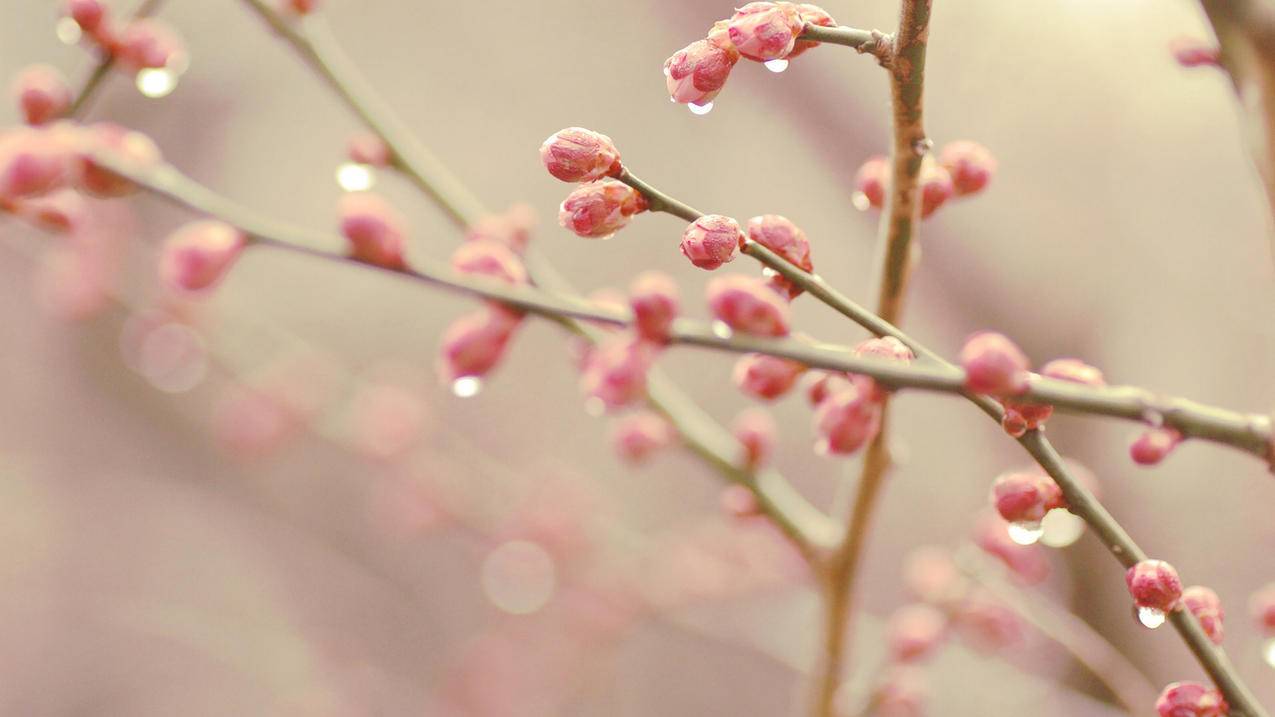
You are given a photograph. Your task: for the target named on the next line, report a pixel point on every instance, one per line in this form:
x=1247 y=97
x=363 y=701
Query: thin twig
x=102 y=68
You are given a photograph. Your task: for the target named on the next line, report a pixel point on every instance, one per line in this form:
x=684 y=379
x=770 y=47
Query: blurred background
x=146 y=570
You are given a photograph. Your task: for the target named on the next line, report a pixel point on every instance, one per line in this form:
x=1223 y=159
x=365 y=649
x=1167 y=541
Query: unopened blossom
x=1194 y=52
x=1025 y=497
x=1206 y=606
x=1027 y=562
x=711 y=241
x=385 y=420
x=810 y=15
x=62 y=211
x=511 y=227
x=764 y=376
x=914 y=632
x=576 y=154
x=755 y=430
x=932 y=575
x=374 y=229
x=748 y=305
x=764 y=31
x=696 y=73
x=1190 y=699
x=1153 y=445
x=129 y=148
x=90 y=15
x=1262 y=606
x=198 y=255
x=599 y=209
x=474 y=343
x=1022 y=416
x=936 y=187
x=886 y=348
x=490 y=259
x=655 y=301
x=367 y=148
x=819 y=385
x=872 y=182
x=1154 y=584
x=615 y=371
x=846 y=420
x=970 y=165
x=739 y=502
x=781 y=236
x=901 y=693
x=994 y=364
x=637 y=435
x=41 y=93
x=986 y=624
x=149 y=43
x=34 y=161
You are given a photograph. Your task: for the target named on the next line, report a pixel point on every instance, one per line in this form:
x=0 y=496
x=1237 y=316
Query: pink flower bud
x=149 y=43
x=1206 y=606
x=986 y=624
x=120 y=145
x=655 y=301
x=846 y=421
x=696 y=73
x=41 y=93
x=819 y=385
x=1193 y=52
x=755 y=430
x=88 y=14
x=301 y=7
x=810 y=15
x=932 y=575
x=1027 y=562
x=61 y=211
x=34 y=161
x=1074 y=370
x=198 y=255
x=1154 y=445
x=1190 y=699
x=490 y=259
x=576 y=154
x=765 y=31
x=600 y=209
x=747 y=305
x=385 y=421
x=936 y=187
x=739 y=502
x=1154 y=584
x=374 y=229
x=1262 y=607
x=783 y=237
x=1025 y=497
x=887 y=348
x=1022 y=416
x=511 y=228
x=872 y=182
x=993 y=364
x=615 y=372
x=366 y=147
x=711 y=240
x=915 y=632
x=766 y=377
x=970 y=165
x=902 y=693
x=475 y=343
x=636 y=436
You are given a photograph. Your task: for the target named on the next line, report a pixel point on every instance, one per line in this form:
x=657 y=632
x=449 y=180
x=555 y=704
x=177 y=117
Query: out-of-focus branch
x=103 y=68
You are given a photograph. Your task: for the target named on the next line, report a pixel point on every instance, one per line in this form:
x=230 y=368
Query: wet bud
x=1025 y=497
x=149 y=43
x=1154 y=584
x=764 y=376
x=600 y=209
x=655 y=302
x=1190 y=699
x=374 y=229
x=765 y=31
x=367 y=148
x=474 y=343
x=846 y=420
x=490 y=259
x=747 y=305
x=197 y=256
x=90 y=15
x=1154 y=445
x=872 y=183
x=1027 y=562
x=755 y=430
x=636 y=436
x=41 y=93
x=887 y=348
x=576 y=154
x=1206 y=606
x=615 y=371
x=970 y=165
x=34 y=162
x=993 y=364
x=781 y=236
x=711 y=240
x=696 y=73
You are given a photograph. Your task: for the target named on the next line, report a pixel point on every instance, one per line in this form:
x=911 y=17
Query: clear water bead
x=776 y=66
x=155 y=83
x=700 y=109
x=861 y=201
x=1151 y=617
x=467 y=386
x=1062 y=528
x=355 y=177
x=68 y=31
x=721 y=330
x=1268 y=651
x=1025 y=532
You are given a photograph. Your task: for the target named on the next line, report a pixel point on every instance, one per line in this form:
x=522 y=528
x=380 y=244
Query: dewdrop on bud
x=1193 y=52
x=41 y=93
x=1206 y=606
x=764 y=31
x=374 y=229
x=970 y=166
x=197 y=256
x=1190 y=699
x=696 y=74
x=936 y=187
x=755 y=430
x=887 y=348
x=490 y=259
x=120 y=145
x=819 y=385
x=764 y=376
x=871 y=183
x=600 y=209
x=636 y=436
x=1023 y=499
x=1027 y=562
x=576 y=154
x=710 y=241
x=1154 y=445
x=472 y=346
x=915 y=632
x=148 y=43
x=748 y=305
x=846 y=421
x=615 y=371
x=1156 y=590
x=810 y=15
x=654 y=299
x=90 y=15
x=781 y=236
x=994 y=364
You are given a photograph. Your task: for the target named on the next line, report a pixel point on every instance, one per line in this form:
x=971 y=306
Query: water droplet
x=776 y=66
x=1062 y=528
x=667 y=72
x=519 y=577
x=1151 y=617
x=467 y=386
x=861 y=201
x=354 y=177
x=68 y=31
x=700 y=109
x=768 y=273
x=595 y=407
x=1268 y=651
x=156 y=83
x=721 y=330
x=1025 y=532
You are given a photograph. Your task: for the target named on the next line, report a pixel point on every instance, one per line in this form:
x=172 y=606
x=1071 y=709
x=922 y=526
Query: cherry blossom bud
x=1154 y=584
x=755 y=430
x=1193 y=52
x=600 y=209
x=932 y=575
x=615 y=372
x=511 y=228
x=819 y=385
x=781 y=236
x=1206 y=606
x=711 y=240
x=374 y=229
x=61 y=211
x=764 y=376
x=33 y=162
x=1027 y=562
x=810 y=15
x=872 y=182
x=1190 y=699
x=970 y=165
x=365 y=147
x=149 y=43
x=747 y=305
x=1152 y=446
x=1025 y=497
x=1262 y=607
x=490 y=259
x=902 y=693
x=41 y=93
x=302 y=7
x=846 y=420
x=120 y=145
x=887 y=348
x=636 y=436
x=1074 y=370
x=986 y=624
x=576 y=154
x=654 y=299
x=739 y=502
x=915 y=632
x=385 y=421
x=765 y=31
x=993 y=364
x=88 y=14
x=475 y=343
x=936 y=187
x=1022 y=416
x=198 y=255
x=696 y=73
